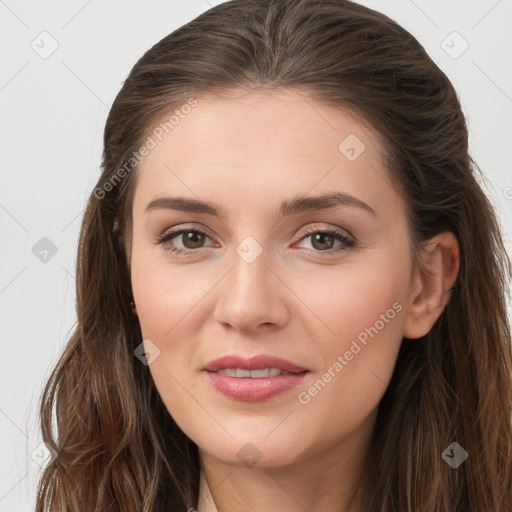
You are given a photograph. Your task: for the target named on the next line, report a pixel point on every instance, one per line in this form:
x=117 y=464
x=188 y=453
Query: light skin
x=303 y=299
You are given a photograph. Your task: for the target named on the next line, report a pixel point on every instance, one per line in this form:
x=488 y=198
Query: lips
x=260 y=362
x=253 y=380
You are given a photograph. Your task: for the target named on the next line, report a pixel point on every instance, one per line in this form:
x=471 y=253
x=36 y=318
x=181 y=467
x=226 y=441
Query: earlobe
x=433 y=284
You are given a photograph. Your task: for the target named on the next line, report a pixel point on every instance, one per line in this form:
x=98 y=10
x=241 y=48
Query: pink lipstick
x=252 y=380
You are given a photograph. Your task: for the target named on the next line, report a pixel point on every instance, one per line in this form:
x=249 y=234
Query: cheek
x=350 y=299
x=363 y=318
x=170 y=306
x=363 y=308
x=166 y=294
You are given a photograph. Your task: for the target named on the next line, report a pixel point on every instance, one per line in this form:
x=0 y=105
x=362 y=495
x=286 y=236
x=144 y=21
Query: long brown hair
x=118 y=448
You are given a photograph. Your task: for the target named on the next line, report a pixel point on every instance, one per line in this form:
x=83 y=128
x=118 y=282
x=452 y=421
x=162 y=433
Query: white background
x=53 y=112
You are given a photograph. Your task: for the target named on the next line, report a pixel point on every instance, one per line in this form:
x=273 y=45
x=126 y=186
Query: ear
x=440 y=261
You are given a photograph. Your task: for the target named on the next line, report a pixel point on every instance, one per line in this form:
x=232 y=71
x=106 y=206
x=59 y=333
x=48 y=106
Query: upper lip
x=254 y=363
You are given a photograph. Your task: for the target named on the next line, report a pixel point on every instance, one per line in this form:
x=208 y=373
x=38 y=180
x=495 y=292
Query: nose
x=252 y=295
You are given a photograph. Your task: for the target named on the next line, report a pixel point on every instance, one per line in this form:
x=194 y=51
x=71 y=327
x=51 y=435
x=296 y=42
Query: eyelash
x=347 y=243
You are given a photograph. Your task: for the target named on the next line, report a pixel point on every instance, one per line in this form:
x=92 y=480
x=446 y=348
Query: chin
x=255 y=451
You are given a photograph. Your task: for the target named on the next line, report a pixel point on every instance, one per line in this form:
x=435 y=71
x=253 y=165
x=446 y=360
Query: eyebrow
x=296 y=205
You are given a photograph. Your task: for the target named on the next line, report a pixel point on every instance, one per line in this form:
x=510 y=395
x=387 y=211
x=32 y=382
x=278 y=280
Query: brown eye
x=192 y=239
x=322 y=241
x=183 y=241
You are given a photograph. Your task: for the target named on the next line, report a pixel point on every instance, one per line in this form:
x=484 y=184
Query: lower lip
x=253 y=390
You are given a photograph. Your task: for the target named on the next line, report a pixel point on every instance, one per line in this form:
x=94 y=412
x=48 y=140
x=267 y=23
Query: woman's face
x=323 y=285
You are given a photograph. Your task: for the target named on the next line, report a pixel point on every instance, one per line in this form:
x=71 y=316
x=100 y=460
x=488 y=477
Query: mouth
x=240 y=373
x=254 y=364
x=253 y=380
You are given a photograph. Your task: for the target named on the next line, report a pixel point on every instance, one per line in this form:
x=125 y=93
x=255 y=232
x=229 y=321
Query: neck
x=205 y=502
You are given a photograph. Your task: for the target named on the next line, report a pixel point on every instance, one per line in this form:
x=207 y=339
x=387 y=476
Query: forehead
x=256 y=146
